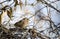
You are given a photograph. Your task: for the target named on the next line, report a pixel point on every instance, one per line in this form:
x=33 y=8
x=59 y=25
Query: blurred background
x=43 y=15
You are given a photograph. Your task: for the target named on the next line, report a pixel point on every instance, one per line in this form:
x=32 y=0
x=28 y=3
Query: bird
x=22 y=24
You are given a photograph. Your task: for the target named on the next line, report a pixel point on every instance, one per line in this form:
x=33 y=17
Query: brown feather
x=22 y=23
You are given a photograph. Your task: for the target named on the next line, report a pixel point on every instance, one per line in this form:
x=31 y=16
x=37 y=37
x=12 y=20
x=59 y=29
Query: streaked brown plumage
x=22 y=23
